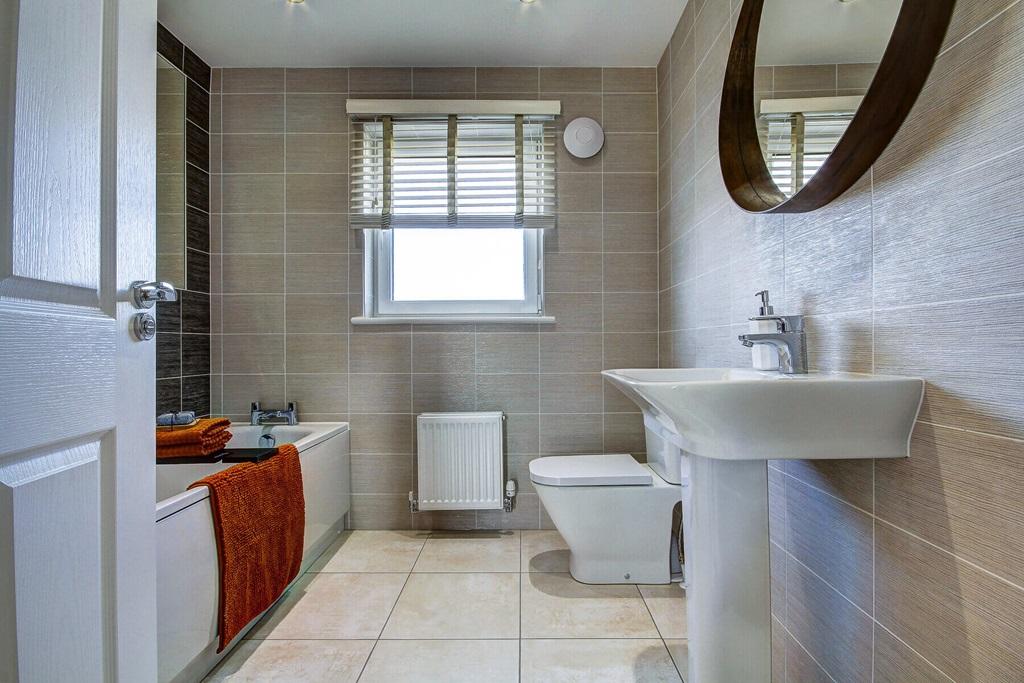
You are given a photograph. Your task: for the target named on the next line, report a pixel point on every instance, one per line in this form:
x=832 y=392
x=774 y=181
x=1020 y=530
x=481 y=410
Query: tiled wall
x=891 y=570
x=288 y=276
x=183 y=327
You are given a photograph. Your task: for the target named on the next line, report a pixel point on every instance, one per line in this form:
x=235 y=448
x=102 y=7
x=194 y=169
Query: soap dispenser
x=764 y=357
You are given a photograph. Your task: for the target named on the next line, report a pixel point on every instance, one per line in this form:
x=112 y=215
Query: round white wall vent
x=583 y=137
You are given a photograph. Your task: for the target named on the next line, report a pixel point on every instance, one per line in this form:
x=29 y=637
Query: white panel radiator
x=459 y=461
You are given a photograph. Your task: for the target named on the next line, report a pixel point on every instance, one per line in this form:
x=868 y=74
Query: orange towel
x=259 y=518
x=205 y=437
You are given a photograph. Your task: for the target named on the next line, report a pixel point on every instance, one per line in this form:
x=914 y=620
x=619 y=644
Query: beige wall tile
x=972 y=511
x=443 y=353
x=573 y=312
x=322 y=113
x=317 y=313
x=631 y=350
x=378 y=473
x=253 y=273
x=252 y=353
x=380 y=511
x=444 y=80
x=438 y=393
x=834 y=632
x=630 y=272
x=241 y=390
x=390 y=393
x=317 y=153
x=314 y=353
x=965 y=621
x=251 y=233
x=570 y=79
x=571 y=434
x=318 y=233
x=509 y=393
x=253 y=193
x=323 y=80
x=630 y=192
x=629 y=79
x=571 y=393
x=507 y=79
x=895 y=662
x=579 y=192
x=572 y=272
x=252 y=113
x=381 y=353
x=506 y=353
x=630 y=153
x=316 y=193
x=631 y=113
x=253 y=313
x=575 y=232
x=255 y=153
x=316 y=273
x=380 y=80
x=319 y=392
x=259 y=80
x=565 y=352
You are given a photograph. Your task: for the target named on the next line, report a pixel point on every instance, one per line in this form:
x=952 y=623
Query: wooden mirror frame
x=915 y=42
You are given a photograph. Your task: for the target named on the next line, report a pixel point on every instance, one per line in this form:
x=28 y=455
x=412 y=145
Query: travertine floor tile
x=544 y=551
x=667 y=604
x=556 y=606
x=472 y=551
x=372 y=551
x=680 y=651
x=456 y=606
x=334 y=606
x=594 y=661
x=309 y=661
x=451 y=661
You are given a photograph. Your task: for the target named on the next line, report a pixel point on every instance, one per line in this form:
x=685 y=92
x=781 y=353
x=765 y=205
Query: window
x=453 y=210
x=798 y=144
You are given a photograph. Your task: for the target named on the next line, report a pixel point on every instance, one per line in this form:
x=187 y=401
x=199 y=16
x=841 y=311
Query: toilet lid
x=590 y=470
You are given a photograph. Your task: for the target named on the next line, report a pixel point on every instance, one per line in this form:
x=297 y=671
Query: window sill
x=453 y=319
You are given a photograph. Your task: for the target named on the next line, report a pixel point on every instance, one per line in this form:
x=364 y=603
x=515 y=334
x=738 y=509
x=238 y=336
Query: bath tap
x=259 y=417
x=789 y=341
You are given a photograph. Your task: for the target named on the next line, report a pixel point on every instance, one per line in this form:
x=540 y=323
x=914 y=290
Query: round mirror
x=814 y=91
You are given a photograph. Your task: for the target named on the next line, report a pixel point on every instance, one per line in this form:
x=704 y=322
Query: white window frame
x=379 y=305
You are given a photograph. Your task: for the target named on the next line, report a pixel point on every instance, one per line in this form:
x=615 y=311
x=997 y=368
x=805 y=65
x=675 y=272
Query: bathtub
x=187 y=576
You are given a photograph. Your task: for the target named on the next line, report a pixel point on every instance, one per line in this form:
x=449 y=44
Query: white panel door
x=77 y=170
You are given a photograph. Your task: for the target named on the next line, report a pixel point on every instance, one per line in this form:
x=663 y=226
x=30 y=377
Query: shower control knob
x=143 y=326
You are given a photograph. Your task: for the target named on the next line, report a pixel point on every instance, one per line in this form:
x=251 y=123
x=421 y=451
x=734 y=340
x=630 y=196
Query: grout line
x=976 y=29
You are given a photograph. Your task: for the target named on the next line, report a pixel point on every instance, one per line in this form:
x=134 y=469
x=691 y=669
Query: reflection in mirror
x=170 y=173
x=815 y=60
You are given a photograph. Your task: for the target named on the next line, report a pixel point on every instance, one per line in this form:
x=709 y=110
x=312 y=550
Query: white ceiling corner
x=424 y=32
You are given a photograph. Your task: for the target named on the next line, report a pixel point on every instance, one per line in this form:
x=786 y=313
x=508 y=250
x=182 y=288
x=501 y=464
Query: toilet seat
x=619 y=469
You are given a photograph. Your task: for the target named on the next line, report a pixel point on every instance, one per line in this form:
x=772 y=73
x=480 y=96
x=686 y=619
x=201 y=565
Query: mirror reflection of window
x=815 y=60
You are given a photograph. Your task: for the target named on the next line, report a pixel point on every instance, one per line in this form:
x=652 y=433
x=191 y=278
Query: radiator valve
x=510 y=494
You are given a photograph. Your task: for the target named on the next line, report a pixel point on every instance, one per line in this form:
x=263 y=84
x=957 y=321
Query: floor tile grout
x=523 y=570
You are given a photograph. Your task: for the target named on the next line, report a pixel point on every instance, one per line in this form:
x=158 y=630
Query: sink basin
x=737 y=414
x=721 y=426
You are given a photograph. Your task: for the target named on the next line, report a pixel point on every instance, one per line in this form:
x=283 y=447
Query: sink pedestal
x=723 y=425
x=725 y=539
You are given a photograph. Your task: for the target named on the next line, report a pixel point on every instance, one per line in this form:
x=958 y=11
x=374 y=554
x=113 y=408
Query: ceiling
x=424 y=32
x=825 y=31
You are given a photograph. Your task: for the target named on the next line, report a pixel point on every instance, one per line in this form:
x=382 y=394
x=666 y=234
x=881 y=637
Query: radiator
x=459 y=461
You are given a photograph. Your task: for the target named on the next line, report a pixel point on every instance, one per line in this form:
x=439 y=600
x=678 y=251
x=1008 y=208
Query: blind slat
x=453 y=172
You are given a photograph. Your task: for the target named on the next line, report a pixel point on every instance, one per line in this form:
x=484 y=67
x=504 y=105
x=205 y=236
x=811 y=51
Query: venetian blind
x=454 y=171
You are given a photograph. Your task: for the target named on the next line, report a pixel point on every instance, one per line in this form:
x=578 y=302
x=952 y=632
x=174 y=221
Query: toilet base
x=615 y=534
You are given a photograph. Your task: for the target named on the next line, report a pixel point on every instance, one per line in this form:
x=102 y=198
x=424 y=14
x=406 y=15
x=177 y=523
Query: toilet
x=614 y=513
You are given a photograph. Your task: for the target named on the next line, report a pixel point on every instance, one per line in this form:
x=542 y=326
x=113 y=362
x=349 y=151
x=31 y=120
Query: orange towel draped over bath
x=205 y=437
x=259 y=518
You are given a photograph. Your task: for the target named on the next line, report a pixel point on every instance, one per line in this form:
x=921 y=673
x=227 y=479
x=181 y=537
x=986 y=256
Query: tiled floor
x=452 y=607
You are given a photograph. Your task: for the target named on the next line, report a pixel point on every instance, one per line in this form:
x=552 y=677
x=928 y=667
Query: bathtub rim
x=178 y=502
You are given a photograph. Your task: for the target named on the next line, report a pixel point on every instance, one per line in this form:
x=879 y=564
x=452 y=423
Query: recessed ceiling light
x=296 y=2
x=527 y=2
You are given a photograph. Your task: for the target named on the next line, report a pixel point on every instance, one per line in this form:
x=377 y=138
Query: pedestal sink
x=728 y=423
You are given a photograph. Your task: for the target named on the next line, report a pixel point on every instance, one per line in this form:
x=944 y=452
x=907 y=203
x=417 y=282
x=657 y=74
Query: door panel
x=77 y=586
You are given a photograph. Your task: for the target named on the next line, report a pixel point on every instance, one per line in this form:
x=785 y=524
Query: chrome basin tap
x=789 y=341
x=257 y=416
